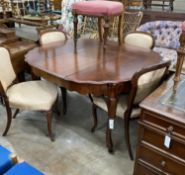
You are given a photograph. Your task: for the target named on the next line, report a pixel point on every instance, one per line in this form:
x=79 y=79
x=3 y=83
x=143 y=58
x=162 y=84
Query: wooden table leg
x=111 y=106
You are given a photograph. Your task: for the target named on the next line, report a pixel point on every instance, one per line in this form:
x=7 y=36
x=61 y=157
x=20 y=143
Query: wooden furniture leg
x=9 y=116
x=180 y=61
x=75 y=21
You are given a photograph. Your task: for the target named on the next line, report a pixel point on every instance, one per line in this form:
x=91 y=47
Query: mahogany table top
x=91 y=64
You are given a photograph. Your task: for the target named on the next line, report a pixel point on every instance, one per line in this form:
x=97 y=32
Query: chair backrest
x=7 y=74
x=147 y=83
x=165 y=33
x=140 y=39
x=131 y=21
x=52 y=36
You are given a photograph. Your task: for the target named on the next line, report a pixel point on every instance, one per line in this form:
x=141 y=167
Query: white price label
x=111 y=124
x=167 y=141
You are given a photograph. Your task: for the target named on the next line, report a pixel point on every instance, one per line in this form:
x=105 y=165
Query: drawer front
x=163 y=124
x=161 y=161
x=177 y=147
x=144 y=170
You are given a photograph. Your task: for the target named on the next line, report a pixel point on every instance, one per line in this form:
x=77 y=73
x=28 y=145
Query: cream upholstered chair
x=52 y=36
x=140 y=39
x=31 y=95
x=142 y=84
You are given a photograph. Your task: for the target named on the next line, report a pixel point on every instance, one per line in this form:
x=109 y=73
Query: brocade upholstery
x=32 y=95
x=139 y=39
x=166 y=35
x=51 y=37
x=7 y=74
x=98 y=8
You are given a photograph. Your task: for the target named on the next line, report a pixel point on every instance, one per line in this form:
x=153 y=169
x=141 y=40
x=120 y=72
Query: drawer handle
x=170 y=129
x=163 y=163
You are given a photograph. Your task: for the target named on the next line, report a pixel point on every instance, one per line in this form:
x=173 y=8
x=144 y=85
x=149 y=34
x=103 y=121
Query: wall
x=179 y=5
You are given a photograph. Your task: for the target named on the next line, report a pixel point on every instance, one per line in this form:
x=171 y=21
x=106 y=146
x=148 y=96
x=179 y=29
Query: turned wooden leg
x=49 y=124
x=127 y=135
x=95 y=121
x=106 y=30
x=64 y=99
x=111 y=106
x=16 y=112
x=120 y=30
x=75 y=21
x=9 y=117
x=100 y=32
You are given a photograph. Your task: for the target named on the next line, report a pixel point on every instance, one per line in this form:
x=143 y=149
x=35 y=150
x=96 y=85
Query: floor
x=76 y=151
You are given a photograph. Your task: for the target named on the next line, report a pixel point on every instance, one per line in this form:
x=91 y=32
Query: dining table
x=92 y=69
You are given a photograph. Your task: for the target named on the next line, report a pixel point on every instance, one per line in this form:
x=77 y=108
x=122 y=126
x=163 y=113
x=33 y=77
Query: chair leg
x=127 y=136
x=64 y=99
x=16 y=112
x=75 y=22
x=95 y=121
x=109 y=142
x=9 y=117
x=49 y=124
x=120 y=30
x=106 y=30
x=100 y=29
x=1 y=100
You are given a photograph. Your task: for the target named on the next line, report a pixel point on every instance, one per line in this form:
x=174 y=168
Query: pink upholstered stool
x=101 y=9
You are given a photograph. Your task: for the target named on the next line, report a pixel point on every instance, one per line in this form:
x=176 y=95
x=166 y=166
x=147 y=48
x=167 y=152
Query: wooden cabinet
x=161 y=125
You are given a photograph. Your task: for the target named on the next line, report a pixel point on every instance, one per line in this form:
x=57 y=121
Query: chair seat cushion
x=23 y=169
x=121 y=106
x=98 y=8
x=32 y=95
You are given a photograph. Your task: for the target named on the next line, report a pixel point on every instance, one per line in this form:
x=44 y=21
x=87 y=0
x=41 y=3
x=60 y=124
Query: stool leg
x=106 y=30
x=100 y=29
x=75 y=21
x=120 y=29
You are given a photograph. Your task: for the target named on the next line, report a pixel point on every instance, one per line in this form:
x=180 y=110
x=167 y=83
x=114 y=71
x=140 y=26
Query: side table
x=161 y=141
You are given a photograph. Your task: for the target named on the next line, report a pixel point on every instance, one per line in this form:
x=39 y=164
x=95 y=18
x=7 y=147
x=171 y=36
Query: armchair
x=166 y=35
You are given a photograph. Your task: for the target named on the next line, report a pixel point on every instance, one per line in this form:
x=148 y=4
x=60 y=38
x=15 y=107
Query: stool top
x=98 y=8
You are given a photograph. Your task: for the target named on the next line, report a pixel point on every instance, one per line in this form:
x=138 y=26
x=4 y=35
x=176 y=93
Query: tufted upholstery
x=166 y=35
x=139 y=39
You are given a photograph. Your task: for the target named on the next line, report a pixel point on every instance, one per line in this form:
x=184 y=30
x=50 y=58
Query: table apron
x=107 y=89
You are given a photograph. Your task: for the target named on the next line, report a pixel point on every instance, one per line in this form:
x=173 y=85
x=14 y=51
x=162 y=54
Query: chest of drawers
x=161 y=142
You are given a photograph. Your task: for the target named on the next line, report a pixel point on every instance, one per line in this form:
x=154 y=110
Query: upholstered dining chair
x=52 y=36
x=31 y=95
x=142 y=84
x=140 y=39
